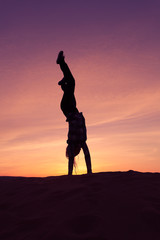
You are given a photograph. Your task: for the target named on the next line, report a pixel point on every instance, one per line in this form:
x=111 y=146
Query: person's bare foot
x=60 y=57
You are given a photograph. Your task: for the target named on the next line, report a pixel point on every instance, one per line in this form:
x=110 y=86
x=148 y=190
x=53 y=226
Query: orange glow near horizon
x=120 y=133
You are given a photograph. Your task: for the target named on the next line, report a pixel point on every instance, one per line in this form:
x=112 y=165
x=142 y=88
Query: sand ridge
x=109 y=205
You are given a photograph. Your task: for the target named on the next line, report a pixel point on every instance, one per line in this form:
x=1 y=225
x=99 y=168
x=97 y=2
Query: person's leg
x=71 y=158
x=66 y=71
x=87 y=157
x=64 y=67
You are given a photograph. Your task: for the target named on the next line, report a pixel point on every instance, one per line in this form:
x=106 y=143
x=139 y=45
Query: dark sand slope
x=112 y=205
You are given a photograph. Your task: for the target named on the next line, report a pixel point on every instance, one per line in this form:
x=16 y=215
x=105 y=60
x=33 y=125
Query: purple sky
x=113 y=50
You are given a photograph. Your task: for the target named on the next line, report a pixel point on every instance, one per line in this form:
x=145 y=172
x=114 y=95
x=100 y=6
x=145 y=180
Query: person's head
x=77 y=149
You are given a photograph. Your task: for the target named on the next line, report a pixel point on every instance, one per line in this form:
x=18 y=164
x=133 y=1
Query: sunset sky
x=113 y=50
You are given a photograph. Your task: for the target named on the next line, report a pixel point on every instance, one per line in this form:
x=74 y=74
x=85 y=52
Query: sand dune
x=107 y=206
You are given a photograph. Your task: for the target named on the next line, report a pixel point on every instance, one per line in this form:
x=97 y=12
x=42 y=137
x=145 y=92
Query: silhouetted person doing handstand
x=77 y=130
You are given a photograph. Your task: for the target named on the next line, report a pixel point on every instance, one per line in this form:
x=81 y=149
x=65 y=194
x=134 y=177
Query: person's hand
x=60 y=57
